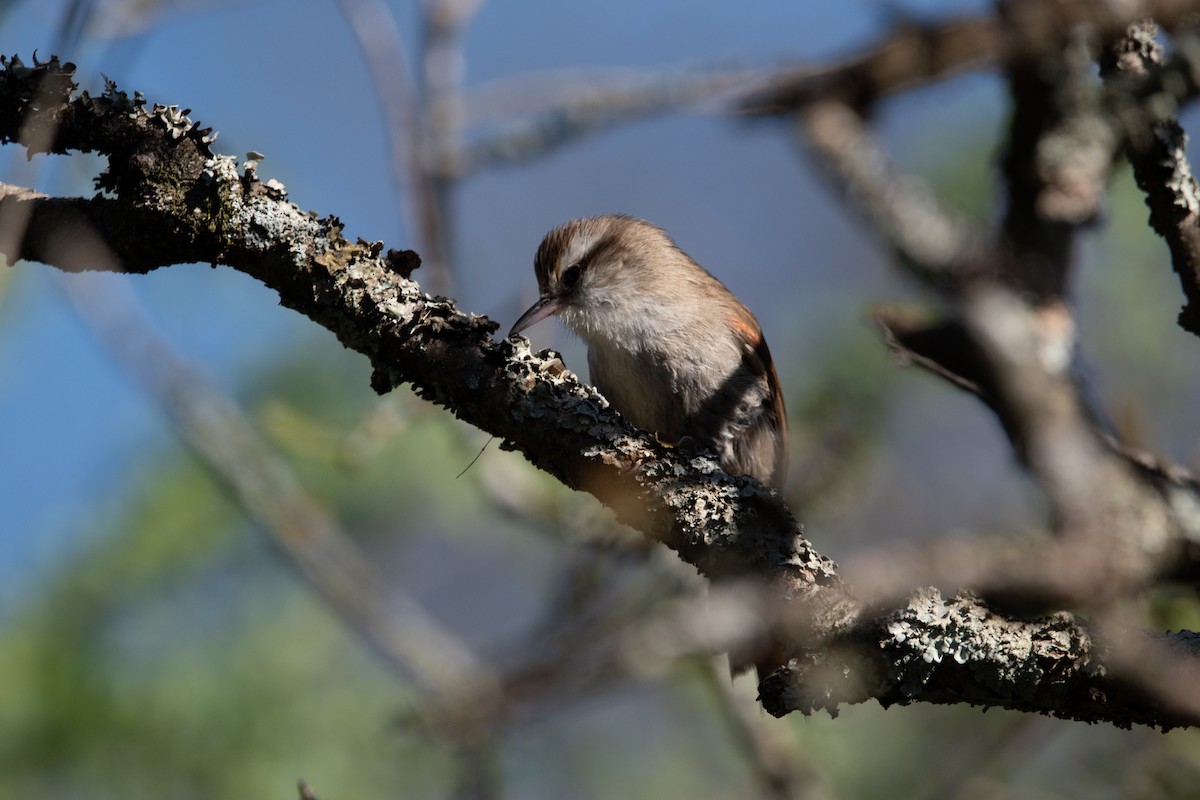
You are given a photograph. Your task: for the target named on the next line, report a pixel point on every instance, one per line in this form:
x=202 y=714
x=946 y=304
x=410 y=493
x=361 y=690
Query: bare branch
x=577 y=107
x=1056 y=166
x=404 y=100
x=770 y=749
x=914 y=53
x=1010 y=336
x=933 y=243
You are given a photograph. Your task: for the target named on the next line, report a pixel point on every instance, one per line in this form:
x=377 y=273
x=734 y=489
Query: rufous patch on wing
x=749 y=332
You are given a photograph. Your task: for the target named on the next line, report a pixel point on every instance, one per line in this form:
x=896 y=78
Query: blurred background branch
x=391 y=623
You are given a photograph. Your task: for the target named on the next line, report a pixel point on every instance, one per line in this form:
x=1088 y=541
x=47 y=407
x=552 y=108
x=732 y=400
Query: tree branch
x=913 y=53
x=192 y=205
x=1009 y=336
x=1161 y=167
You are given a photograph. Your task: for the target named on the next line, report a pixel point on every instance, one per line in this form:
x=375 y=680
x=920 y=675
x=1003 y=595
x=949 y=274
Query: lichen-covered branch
x=941 y=650
x=931 y=648
x=1161 y=167
x=192 y=205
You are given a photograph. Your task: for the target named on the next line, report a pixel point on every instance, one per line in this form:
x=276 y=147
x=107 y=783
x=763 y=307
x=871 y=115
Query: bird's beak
x=544 y=307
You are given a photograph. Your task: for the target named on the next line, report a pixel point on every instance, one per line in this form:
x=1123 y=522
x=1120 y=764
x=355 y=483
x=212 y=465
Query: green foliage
x=176 y=659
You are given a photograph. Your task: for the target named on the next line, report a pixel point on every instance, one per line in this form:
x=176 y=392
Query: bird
x=668 y=345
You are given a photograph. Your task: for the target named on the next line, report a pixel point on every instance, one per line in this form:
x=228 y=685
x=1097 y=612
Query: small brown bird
x=668 y=345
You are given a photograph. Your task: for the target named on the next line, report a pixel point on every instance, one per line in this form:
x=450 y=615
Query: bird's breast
x=642 y=386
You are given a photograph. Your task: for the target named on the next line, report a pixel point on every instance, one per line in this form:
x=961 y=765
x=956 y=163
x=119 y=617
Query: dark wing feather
x=770 y=430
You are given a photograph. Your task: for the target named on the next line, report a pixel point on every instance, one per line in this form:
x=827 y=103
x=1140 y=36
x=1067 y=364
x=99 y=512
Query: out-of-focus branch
x=580 y=106
x=1098 y=487
x=477 y=773
x=441 y=68
x=933 y=243
x=1009 y=336
x=1094 y=489
x=1016 y=571
x=1017 y=359
x=770 y=749
x=1137 y=104
x=390 y=622
x=571 y=652
x=1055 y=166
x=910 y=54
x=405 y=111
x=913 y=53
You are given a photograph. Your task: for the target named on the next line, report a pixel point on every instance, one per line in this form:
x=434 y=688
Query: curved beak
x=544 y=307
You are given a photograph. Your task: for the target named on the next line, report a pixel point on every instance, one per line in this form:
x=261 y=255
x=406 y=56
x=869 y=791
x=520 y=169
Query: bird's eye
x=570 y=276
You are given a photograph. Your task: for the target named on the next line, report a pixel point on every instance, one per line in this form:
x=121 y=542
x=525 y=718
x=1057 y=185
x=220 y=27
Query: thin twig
x=405 y=121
